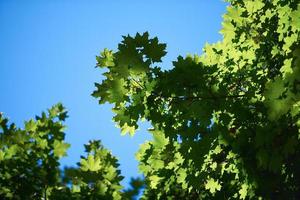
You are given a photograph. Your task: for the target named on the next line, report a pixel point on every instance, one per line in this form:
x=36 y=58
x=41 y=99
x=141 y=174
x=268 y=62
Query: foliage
x=226 y=123
x=29 y=157
x=97 y=176
x=29 y=163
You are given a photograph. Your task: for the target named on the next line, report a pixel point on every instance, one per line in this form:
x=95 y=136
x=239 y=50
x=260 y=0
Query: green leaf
x=11 y=151
x=154 y=181
x=212 y=185
x=30 y=126
x=106 y=58
x=253 y=6
x=127 y=129
x=228 y=31
x=60 y=148
x=243 y=191
x=234 y=13
x=42 y=143
x=92 y=163
x=181 y=177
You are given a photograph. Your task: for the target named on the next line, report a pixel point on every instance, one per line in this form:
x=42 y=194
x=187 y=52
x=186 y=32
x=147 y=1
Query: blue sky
x=48 y=50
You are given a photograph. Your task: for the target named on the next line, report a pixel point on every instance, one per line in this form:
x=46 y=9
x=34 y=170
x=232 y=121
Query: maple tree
x=225 y=124
x=29 y=164
x=29 y=157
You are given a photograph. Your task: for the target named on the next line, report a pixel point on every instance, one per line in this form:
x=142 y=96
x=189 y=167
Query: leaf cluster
x=226 y=123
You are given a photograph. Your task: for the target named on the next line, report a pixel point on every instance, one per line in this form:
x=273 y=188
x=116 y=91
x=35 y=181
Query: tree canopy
x=225 y=124
x=29 y=164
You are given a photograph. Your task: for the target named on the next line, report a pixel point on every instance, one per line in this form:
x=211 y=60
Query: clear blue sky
x=48 y=49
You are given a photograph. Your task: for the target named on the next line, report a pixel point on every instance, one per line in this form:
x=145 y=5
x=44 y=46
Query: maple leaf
x=212 y=185
x=90 y=163
x=106 y=58
x=60 y=148
x=30 y=126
